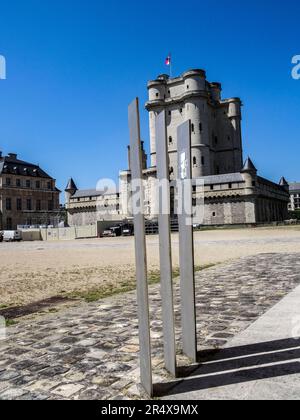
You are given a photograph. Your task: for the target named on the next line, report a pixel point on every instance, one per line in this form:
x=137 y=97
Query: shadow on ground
x=236 y=365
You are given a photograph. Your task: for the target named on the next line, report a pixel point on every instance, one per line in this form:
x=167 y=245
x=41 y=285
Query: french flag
x=168 y=60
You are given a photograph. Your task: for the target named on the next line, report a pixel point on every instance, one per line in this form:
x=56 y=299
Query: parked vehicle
x=127 y=230
x=12 y=236
x=1 y=236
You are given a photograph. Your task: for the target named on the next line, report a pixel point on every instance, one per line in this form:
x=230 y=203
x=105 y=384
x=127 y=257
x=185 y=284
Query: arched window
x=193 y=128
x=194 y=161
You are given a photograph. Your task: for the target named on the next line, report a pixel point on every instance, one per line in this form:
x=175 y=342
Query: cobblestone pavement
x=91 y=351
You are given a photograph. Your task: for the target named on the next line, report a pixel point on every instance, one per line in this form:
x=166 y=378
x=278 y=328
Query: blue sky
x=73 y=66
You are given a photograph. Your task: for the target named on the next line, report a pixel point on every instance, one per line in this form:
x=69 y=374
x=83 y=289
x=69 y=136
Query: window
x=181 y=110
x=193 y=128
x=38 y=205
x=194 y=202
x=157 y=95
x=194 y=161
x=9 y=223
x=38 y=185
x=8 y=182
x=170 y=140
x=253 y=184
x=214 y=214
x=19 y=204
x=216 y=139
x=228 y=138
x=203 y=160
x=28 y=183
x=200 y=128
x=170 y=113
x=50 y=205
x=8 y=204
x=188 y=86
x=49 y=185
x=28 y=204
x=211 y=187
x=218 y=170
x=18 y=183
x=230 y=185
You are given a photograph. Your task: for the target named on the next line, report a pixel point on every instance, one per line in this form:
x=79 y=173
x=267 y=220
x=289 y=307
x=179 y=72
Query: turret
x=70 y=190
x=215 y=90
x=284 y=184
x=249 y=173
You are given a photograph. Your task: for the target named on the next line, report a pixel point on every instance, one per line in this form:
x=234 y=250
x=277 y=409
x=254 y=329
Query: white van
x=12 y=236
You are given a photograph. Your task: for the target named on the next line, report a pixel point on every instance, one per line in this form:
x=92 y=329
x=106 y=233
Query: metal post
x=186 y=243
x=166 y=272
x=140 y=249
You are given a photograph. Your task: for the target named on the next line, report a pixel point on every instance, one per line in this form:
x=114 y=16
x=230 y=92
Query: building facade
x=216 y=123
x=294 y=204
x=234 y=193
x=87 y=207
x=28 y=195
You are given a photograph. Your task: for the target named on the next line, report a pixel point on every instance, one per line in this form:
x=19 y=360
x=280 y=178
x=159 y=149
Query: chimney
x=13 y=155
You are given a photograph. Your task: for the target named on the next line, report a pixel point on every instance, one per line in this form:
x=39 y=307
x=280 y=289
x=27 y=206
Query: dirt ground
x=33 y=271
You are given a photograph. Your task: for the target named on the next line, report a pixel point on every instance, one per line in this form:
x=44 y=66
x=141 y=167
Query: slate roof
x=295 y=186
x=11 y=165
x=71 y=186
x=87 y=193
x=223 y=179
x=249 y=166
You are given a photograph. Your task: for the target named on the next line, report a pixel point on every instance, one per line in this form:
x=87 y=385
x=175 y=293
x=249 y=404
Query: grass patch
x=10 y=323
x=128 y=286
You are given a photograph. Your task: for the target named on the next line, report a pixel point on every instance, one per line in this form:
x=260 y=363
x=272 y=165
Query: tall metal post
x=140 y=249
x=166 y=272
x=186 y=242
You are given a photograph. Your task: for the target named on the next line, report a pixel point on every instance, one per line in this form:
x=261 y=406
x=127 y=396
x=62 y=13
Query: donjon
x=216 y=123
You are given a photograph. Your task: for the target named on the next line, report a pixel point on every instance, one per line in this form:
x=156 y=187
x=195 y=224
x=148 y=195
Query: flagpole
x=170 y=65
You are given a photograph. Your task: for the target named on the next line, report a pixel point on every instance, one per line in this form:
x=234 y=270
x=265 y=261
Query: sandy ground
x=34 y=271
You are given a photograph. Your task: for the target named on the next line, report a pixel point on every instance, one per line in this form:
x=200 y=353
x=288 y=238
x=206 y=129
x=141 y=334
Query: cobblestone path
x=91 y=350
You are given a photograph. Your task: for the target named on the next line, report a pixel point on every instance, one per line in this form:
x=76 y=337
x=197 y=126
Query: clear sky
x=73 y=66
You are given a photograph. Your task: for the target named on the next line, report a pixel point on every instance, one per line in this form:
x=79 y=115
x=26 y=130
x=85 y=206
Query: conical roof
x=71 y=186
x=283 y=182
x=249 y=166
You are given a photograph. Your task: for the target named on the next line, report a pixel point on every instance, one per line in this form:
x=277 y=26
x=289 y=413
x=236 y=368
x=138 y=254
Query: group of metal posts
x=186 y=245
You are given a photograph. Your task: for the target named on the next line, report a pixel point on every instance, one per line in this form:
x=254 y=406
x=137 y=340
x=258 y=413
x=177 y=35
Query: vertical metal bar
x=186 y=243
x=140 y=249
x=165 y=243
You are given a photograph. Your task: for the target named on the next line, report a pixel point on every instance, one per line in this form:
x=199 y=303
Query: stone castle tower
x=216 y=123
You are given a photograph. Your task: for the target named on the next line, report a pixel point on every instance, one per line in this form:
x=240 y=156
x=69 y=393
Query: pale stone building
x=216 y=123
x=234 y=192
x=294 y=196
x=86 y=207
x=28 y=195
